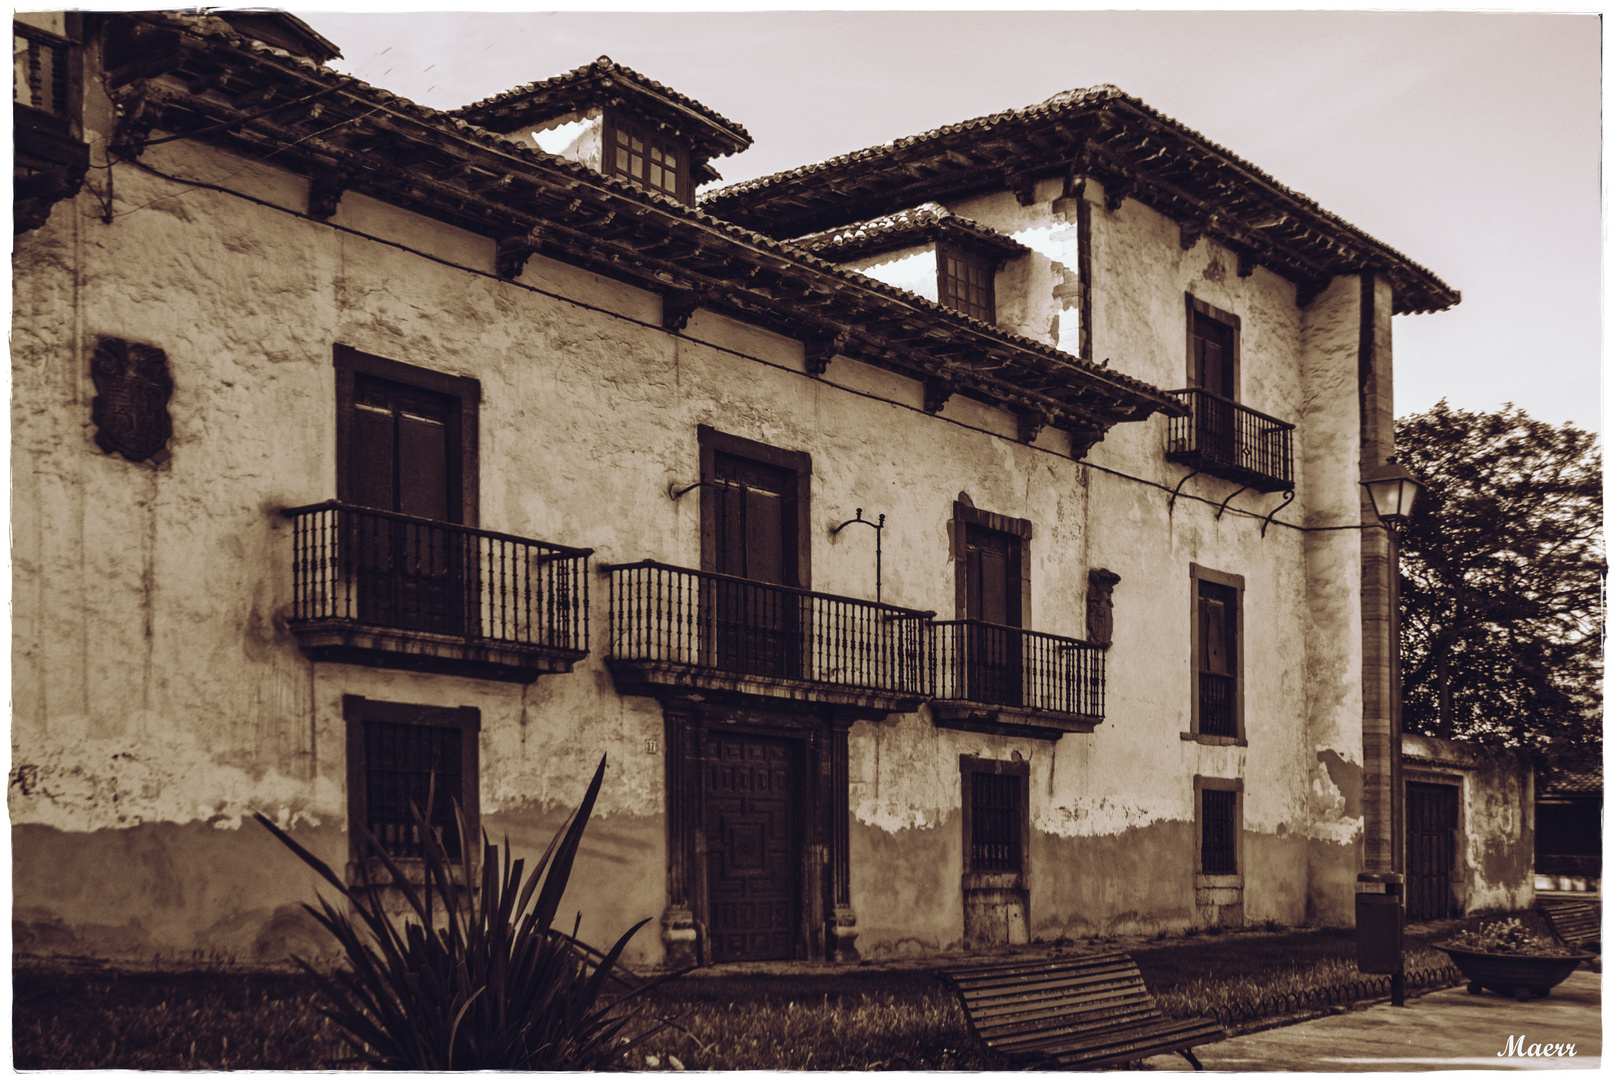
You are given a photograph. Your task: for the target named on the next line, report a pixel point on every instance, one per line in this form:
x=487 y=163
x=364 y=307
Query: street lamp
x=1393 y=490
x=1381 y=905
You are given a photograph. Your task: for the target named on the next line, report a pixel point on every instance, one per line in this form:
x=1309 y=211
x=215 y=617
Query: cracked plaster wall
x=159 y=697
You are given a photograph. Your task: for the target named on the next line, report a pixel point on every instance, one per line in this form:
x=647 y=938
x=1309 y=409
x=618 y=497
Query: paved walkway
x=1448 y=1029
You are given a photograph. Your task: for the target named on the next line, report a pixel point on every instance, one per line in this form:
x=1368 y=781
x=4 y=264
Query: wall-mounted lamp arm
x=879 y=531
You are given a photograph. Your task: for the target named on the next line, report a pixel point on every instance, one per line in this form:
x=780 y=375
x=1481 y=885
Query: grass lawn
x=864 y=1017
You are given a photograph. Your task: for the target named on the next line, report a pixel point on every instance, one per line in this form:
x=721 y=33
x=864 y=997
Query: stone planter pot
x=1507 y=973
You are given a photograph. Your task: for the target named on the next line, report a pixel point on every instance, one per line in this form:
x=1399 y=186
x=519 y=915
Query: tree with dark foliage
x=1502 y=573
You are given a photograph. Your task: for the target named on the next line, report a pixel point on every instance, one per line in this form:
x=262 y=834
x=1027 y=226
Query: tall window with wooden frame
x=651 y=159
x=1213 y=367
x=1213 y=349
x=406 y=446
x=965 y=283
x=406 y=758
x=994 y=598
x=1216 y=643
x=756 y=548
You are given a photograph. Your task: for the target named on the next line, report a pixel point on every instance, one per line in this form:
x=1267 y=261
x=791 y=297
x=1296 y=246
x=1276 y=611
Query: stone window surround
x=968 y=765
x=1216 y=783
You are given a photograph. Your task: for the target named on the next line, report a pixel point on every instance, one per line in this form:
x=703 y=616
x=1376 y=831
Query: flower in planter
x=1508 y=937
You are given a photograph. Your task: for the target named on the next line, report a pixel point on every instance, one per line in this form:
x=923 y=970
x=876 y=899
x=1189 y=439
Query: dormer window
x=966 y=283
x=652 y=161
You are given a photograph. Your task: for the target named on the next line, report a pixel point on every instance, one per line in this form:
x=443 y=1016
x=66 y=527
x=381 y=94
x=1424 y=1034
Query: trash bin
x=1379 y=922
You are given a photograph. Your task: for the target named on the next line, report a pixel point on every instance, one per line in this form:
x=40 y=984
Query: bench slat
x=1574 y=922
x=1032 y=994
x=1072 y=1022
x=1083 y=1010
x=1124 y=1035
x=999 y=979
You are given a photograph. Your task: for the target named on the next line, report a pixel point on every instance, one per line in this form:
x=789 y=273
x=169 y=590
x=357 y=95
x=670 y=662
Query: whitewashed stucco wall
x=157 y=688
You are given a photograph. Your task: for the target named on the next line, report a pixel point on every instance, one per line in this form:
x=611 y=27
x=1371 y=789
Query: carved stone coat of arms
x=132 y=388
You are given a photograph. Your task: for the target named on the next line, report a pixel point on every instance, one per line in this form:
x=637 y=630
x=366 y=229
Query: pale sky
x=1470 y=142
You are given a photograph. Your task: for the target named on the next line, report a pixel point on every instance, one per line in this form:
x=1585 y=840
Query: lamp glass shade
x=1393 y=492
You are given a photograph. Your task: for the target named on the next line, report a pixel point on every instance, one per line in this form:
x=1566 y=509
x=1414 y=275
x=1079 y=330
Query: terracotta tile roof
x=1121 y=134
x=1579 y=782
x=219 y=32
x=924 y=223
x=605 y=68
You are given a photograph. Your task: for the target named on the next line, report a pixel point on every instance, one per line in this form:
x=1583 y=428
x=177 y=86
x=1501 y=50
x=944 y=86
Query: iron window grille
x=995 y=824
x=412 y=765
x=1218 y=846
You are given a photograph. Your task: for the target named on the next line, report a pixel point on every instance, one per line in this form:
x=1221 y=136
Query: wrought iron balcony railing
x=676 y=618
x=1227 y=439
x=1018 y=669
x=370 y=586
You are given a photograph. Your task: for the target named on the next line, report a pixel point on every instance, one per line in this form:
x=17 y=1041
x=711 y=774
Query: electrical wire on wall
x=1264 y=517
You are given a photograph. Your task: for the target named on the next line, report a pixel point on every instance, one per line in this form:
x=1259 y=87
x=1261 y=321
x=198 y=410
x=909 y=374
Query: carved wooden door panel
x=751 y=843
x=1431 y=850
x=758 y=628
x=410 y=576
x=993 y=649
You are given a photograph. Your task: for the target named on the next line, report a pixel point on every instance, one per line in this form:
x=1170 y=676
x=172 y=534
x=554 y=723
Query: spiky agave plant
x=476 y=978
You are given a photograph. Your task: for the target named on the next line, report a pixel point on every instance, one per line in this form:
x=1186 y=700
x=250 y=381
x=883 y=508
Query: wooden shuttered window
x=1216 y=640
x=1213 y=349
x=400 y=457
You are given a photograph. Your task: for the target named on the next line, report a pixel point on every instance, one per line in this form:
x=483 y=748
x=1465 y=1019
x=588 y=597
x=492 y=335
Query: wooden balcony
x=1226 y=439
x=677 y=630
x=1006 y=680
x=388 y=590
x=50 y=156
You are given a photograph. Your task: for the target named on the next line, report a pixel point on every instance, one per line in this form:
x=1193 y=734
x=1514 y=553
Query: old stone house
x=955 y=542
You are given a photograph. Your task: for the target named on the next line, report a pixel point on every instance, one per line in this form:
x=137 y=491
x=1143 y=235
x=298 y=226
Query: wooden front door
x=758 y=628
x=1431 y=851
x=992 y=601
x=752 y=847
x=410 y=576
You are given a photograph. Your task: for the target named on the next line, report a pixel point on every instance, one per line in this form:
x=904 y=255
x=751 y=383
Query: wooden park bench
x=1074 y=1012
x=1576 y=923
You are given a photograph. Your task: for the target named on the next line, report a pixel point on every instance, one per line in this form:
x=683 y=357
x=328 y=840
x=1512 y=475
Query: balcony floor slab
x=655 y=678
x=341 y=641
x=991 y=719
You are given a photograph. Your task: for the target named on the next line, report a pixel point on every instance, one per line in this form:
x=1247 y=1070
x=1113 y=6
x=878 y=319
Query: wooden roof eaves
x=558 y=191
x=1416 y=288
